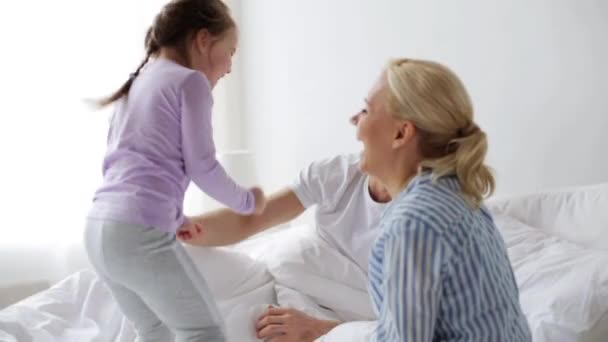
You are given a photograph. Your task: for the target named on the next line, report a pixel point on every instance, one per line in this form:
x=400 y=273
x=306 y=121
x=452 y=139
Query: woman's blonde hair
x=434 y=99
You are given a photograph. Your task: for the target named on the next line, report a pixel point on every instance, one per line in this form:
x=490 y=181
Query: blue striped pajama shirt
x=439 y=270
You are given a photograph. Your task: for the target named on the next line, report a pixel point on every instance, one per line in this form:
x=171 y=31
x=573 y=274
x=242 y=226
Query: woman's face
x=375 y=126
x=389 y=142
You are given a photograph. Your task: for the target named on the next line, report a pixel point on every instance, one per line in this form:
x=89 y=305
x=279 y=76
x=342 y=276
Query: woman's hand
x=290 y=325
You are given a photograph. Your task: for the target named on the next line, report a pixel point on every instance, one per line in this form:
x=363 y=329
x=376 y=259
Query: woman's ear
x=405 y=133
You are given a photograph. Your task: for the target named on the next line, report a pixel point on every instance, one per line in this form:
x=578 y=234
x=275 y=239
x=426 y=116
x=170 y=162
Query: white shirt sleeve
x=322 y=181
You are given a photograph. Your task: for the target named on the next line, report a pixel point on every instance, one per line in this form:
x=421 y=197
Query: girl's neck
x=172 y=55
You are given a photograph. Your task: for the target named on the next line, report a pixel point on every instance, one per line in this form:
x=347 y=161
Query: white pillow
x=290 y=298
x=229 y=273
x=575 y=214
x=563 y=286
x=242 y=286
x=301 y=261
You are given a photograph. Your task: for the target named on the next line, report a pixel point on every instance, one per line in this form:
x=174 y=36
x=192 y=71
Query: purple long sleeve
x=160 y=138
x=198 y=147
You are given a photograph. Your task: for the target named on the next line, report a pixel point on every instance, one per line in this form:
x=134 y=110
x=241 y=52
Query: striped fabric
x=439 y=271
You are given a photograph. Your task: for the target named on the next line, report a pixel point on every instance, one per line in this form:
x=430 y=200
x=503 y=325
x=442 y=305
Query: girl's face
x=213 y=54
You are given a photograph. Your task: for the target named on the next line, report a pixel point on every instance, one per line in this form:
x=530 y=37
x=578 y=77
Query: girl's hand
x=189 y=230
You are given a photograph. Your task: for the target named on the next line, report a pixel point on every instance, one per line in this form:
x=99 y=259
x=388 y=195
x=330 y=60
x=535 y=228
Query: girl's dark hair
x=173 y=27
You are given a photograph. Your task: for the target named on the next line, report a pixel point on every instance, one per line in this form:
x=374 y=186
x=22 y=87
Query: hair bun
x=471 y=129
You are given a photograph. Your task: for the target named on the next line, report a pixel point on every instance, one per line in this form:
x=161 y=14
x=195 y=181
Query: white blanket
x=80 y=308
x=563 y=285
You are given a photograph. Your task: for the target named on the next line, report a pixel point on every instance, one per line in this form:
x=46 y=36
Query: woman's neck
x=401 y=169
x=398 y=177
x=395 y=186
x=378 y=191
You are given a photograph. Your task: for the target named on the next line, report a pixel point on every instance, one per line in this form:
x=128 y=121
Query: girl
x=160 y=137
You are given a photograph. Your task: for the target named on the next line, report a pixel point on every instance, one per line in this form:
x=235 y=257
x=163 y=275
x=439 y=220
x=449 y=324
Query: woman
x=439 y=269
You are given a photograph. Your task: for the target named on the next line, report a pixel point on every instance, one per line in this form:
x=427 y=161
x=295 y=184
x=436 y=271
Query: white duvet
x=324 y=284
x=563 y=286
x=80 y=308
x=563 y=280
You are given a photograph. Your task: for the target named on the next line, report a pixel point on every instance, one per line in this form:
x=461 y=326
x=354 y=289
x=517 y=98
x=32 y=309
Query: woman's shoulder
x=433 y=203
x=335 y=172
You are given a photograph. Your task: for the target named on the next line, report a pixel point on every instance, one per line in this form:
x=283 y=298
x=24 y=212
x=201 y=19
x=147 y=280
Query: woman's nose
x=354 y=119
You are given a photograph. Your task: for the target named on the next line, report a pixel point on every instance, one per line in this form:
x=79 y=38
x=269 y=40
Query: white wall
x=51 y=141
x=536 y=70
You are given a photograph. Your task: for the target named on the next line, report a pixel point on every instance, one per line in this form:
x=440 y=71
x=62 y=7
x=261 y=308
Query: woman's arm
x=412 y=284
x=224 y=227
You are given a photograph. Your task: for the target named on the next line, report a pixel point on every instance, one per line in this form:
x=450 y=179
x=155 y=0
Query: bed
x=557 y=242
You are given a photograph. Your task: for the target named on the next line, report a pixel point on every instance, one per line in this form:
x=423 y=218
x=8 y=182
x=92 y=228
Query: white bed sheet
x=80 y=308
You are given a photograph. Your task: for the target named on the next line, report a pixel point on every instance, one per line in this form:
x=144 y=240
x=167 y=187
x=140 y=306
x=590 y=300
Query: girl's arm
x=198 y=150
